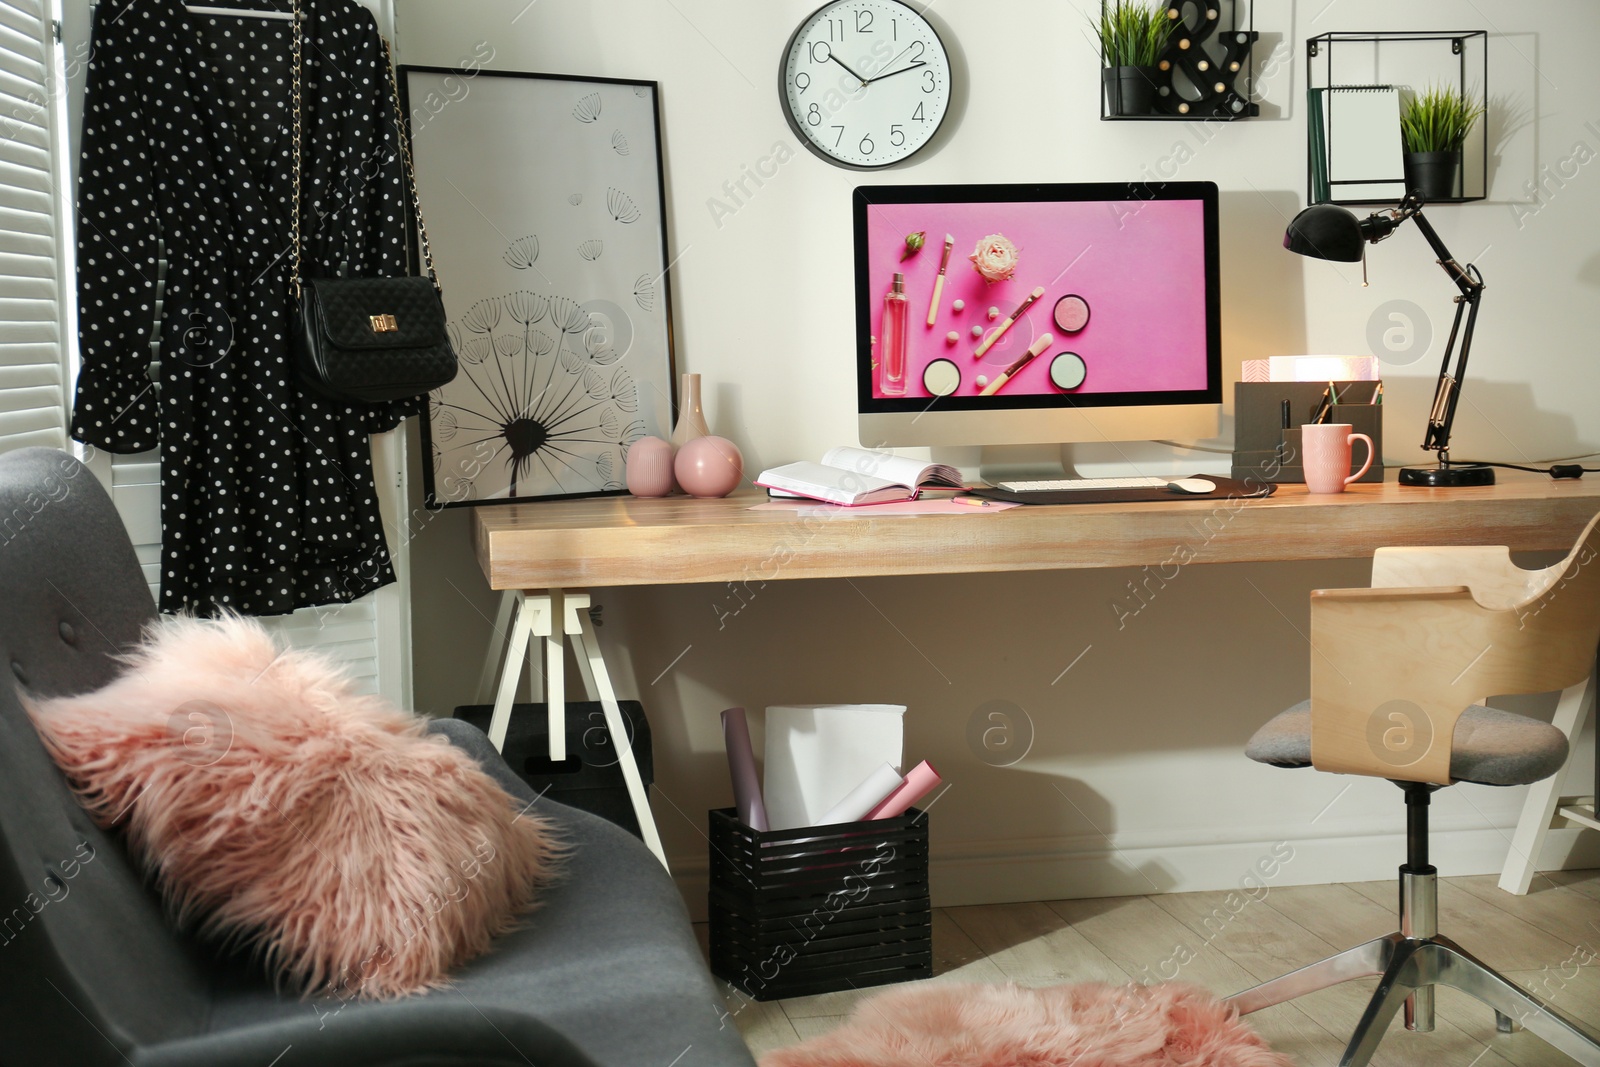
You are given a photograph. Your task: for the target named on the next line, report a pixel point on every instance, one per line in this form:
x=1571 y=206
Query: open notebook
x=852 y=476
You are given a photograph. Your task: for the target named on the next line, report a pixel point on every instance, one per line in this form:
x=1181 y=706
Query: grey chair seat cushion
x=1490 y=746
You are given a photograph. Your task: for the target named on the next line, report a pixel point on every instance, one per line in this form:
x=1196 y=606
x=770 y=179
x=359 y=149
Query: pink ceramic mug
x=1326 y=455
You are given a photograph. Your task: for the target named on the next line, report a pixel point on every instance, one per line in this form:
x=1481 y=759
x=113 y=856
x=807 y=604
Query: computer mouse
x=1195 y=486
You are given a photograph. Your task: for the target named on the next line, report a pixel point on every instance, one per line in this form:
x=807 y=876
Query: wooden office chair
x=1398 y=675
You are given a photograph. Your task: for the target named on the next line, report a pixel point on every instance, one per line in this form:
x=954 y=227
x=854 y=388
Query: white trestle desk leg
x=1543 y=797
x=577 y=602
x=511 y=670
x=499 y=647
x=588 y=649
x=555 y=673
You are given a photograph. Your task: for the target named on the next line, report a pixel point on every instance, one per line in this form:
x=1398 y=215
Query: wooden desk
x=625 y=541
x=544 y=555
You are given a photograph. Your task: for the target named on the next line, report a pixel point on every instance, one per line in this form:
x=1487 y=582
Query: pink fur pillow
x=277 y=808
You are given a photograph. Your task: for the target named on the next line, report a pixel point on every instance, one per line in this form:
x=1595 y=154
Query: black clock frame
x=799 y=131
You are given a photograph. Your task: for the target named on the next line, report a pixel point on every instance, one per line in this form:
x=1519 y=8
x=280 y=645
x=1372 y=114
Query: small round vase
x=709 y=467
x=650 y=467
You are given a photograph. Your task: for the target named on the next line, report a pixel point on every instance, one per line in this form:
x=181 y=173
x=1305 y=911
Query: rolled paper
x=742 y=768
x=920 y=781
x=873 y=790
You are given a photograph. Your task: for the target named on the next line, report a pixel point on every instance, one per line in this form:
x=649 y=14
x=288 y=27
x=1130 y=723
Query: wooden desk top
x=626 y=541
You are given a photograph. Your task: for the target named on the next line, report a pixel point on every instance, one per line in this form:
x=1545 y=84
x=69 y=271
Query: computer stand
x=991 y=464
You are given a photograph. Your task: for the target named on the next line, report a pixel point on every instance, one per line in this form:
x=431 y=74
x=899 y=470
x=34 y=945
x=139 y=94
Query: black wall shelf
x=1410 y=60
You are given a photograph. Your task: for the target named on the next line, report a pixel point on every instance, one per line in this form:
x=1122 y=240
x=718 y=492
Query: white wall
x=1135 y=780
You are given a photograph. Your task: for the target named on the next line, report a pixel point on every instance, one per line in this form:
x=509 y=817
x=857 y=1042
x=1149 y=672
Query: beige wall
x=1135 y=778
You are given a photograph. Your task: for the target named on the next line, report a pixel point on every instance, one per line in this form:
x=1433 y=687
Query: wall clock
x=865 y=83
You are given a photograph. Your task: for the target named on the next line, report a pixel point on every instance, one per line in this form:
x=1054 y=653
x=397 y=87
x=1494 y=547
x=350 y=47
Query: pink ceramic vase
x=709 y=467
x=650 y=467
x=691 y=419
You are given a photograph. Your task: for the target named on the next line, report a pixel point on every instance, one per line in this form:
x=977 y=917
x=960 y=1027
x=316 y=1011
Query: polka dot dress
x=267 y=495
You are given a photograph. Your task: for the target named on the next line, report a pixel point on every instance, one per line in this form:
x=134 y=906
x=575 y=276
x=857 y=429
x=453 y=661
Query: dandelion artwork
x=550 y=404
x=551 y=247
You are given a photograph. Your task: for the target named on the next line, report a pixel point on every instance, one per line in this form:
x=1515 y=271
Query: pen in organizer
x=1324 y=409
x=938 y=283
x=1000 y=331
x=1023 y=360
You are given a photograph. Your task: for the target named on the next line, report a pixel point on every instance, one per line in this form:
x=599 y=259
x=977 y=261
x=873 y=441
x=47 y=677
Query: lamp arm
x=1462 y=276
x=1467 y=279
x=1450 y=384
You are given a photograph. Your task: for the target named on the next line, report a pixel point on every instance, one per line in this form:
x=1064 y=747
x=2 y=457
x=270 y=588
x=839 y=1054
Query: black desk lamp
x=1325 y=231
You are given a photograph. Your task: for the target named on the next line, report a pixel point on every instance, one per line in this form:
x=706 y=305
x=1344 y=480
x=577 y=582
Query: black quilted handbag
x=373 y=339
x=369 y=340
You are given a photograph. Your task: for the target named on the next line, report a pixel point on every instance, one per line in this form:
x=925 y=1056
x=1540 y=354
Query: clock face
x=865 y=83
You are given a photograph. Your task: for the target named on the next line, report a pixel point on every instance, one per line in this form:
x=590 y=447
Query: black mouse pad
x=1227 y=488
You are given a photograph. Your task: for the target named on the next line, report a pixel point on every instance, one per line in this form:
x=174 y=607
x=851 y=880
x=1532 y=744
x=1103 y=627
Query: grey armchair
x=606 y=973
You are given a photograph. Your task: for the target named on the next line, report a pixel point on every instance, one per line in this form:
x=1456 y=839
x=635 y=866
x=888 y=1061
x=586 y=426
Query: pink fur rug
x=1087 y=1025
x=279 y=809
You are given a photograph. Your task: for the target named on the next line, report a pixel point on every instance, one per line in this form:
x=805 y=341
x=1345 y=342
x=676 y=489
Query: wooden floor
x=1547 y=942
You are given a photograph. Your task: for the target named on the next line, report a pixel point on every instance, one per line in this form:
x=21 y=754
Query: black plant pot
x=1130 y=90
x=1433 y=174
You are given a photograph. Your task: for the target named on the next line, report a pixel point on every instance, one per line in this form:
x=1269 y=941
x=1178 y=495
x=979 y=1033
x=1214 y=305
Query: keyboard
x=1068 y=485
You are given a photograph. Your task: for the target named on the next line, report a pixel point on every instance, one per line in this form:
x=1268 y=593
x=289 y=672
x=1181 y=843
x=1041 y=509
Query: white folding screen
x=33 y=373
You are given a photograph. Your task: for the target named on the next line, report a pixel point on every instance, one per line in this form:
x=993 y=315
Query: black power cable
x=1555 y=470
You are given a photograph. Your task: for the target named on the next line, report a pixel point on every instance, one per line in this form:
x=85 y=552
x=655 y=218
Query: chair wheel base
x=1407 y=966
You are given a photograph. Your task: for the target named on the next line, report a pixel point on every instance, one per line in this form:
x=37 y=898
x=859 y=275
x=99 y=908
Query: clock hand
x=892 y=73
x=852 y=73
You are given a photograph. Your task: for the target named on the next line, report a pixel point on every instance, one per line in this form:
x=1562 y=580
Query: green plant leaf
x=1438 y=119
x=1133 y=34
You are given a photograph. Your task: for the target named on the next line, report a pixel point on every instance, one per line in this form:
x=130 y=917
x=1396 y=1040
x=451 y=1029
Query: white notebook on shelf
x=1362 y=126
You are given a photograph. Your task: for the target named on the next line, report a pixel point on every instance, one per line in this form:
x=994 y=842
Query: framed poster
x=544 y=203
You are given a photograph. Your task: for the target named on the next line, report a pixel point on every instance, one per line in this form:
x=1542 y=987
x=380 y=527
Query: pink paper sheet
x=899 y=507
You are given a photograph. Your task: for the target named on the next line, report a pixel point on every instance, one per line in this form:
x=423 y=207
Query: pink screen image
x=1138 y=265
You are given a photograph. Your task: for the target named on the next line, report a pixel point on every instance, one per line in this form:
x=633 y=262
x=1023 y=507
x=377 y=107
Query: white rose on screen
x=995 y=258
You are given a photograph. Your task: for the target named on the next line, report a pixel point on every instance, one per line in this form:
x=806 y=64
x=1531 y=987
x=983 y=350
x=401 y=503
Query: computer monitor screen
x=1122 y=277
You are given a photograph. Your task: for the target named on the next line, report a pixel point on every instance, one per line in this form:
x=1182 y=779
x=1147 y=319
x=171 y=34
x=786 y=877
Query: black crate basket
x=820 y=908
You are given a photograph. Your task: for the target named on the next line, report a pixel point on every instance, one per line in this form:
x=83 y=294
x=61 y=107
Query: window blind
x=32 y=356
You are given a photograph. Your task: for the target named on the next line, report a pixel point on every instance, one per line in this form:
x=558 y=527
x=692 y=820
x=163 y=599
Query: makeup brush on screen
x=938 y=283
x=1033 y=352
x=1000 y=331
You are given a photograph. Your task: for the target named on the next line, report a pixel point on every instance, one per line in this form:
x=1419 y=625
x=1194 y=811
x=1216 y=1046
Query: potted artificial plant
x=1132 y=37
x=1433 y=126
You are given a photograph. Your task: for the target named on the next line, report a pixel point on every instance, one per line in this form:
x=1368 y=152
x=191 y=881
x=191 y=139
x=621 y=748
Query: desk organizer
x=820 y=908
x=1258 y=429
x=590 y=779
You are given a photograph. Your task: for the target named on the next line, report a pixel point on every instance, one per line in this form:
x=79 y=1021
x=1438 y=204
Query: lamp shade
x=1324 y=231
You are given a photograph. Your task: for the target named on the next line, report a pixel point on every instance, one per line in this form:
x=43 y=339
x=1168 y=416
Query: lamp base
x=1467 y=474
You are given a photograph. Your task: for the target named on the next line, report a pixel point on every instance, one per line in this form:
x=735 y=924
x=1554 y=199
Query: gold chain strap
x=405 y=155
x=411 y=170
x=294 y=248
